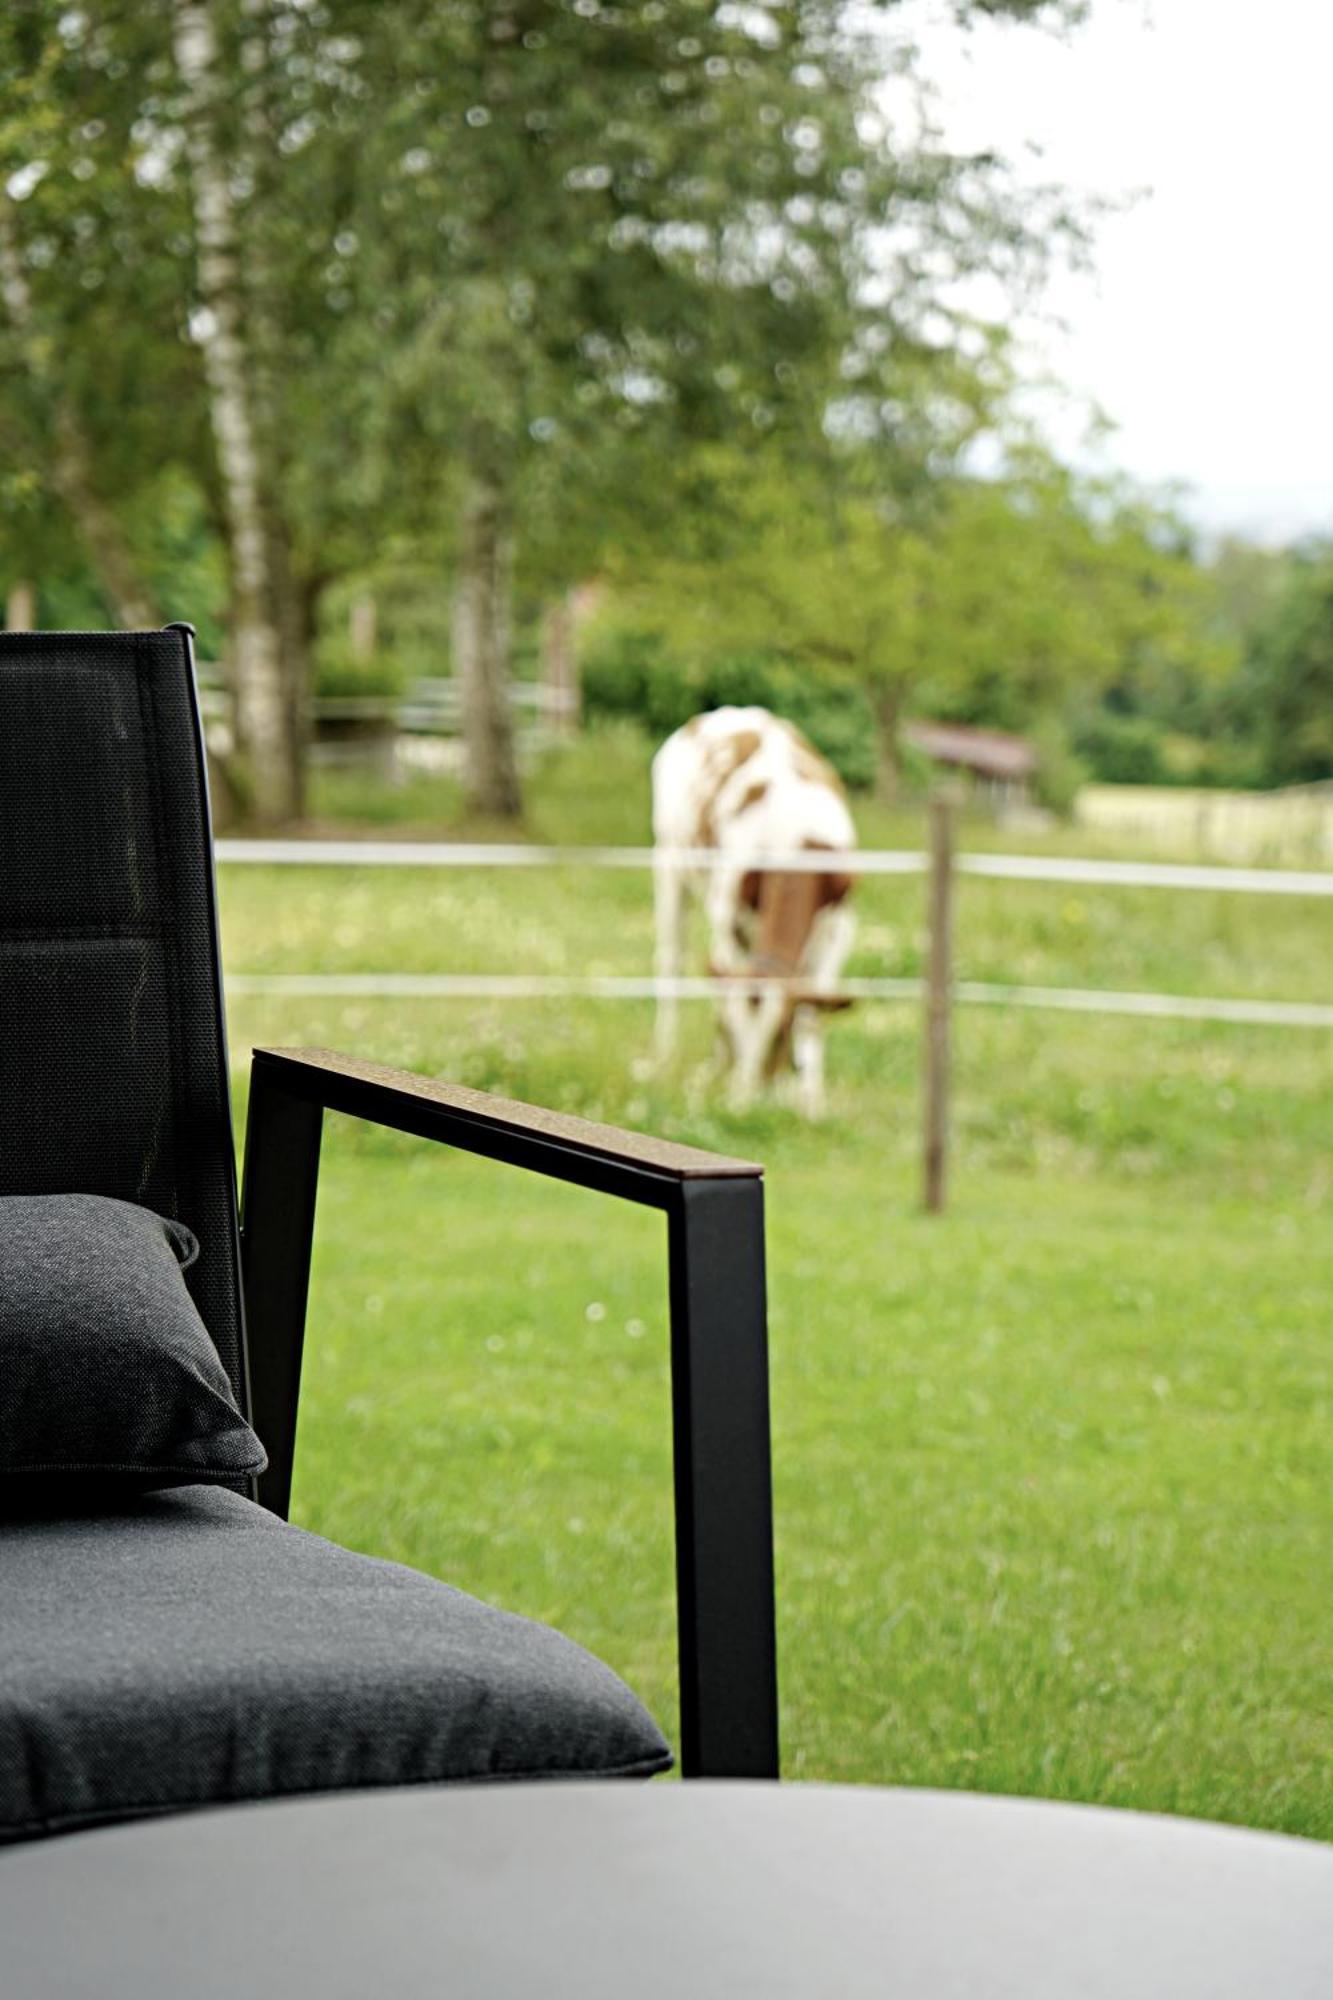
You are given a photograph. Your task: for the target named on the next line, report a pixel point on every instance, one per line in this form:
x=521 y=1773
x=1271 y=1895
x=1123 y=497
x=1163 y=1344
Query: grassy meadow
x=1051 y=1473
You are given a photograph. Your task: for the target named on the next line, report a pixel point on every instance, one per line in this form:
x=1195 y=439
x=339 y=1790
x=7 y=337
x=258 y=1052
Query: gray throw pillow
x=107 y=1373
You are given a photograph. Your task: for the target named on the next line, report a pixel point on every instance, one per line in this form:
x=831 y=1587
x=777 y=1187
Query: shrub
x=631 y=674
x=340 y=673
x=1060 y=772
x=1123 y=749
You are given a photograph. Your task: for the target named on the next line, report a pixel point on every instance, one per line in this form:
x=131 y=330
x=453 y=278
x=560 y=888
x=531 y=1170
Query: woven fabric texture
x=113 y=1072
x=191 y=1649
x=107 y=1372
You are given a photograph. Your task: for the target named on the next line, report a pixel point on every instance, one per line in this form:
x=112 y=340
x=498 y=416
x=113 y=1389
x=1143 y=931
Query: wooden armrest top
x=367 y=1080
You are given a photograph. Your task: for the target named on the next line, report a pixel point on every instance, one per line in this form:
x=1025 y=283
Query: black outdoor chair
x=172 y=1648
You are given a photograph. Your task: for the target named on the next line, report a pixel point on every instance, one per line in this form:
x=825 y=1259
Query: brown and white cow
x=748 y=785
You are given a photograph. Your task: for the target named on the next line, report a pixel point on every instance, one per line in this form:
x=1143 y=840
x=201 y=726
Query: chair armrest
x=719 y=1342
x=633 y=1165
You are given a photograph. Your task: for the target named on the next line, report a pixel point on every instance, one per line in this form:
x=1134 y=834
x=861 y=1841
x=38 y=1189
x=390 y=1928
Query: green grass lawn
x=1054 y=1512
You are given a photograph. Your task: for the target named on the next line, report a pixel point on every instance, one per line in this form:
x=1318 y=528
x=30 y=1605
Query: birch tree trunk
x=70 y=470
x=481 y=652
x=268 y=709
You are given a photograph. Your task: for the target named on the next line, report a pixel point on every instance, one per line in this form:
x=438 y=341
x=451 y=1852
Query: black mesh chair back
x=113 y=1066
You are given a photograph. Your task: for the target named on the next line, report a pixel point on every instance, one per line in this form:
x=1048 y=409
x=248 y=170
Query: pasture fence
x=937 y=1037
x=939 y=989
x=647 y=986
x=869 y=861
x=1291 y=824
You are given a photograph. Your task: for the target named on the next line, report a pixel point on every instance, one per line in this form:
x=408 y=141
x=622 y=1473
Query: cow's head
x=782 y=905
x=776 y=913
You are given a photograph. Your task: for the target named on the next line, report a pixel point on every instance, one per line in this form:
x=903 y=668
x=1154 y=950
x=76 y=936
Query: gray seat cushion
x=190 y=1648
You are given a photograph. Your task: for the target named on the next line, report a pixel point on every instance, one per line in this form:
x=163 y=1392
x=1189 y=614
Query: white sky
x=1206 y=331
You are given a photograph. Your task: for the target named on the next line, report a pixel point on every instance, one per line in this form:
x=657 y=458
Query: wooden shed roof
x=990 y=753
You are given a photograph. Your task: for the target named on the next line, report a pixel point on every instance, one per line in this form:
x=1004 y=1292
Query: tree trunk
x=481 y=652
x=559 y=667
x=888 y=759
x=294 y=605
x=117 y=571
x=20 y=607
x=362 y=628
x=70 y=470
x=269 y=698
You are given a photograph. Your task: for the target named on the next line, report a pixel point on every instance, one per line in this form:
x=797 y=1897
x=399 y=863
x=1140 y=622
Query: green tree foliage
x=601 y=237
x=485 y=277
x=991 y=600
x=98 y=386
x=1252 y=705
x=1284 y=692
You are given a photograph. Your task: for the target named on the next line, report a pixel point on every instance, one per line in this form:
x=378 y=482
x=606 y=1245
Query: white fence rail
x=870 y=861
x=593 y=986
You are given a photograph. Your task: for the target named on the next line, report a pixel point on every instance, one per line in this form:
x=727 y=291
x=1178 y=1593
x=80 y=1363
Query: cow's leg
x=830 y=942
x=669 y=894
x=757 y=1022
x=808 y=1054
x=728 y=959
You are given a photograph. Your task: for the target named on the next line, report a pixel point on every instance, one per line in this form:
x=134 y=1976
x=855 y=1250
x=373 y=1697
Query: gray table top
x=639 y=1891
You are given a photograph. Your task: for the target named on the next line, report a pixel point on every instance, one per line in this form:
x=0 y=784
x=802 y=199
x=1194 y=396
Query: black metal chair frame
x=719 y=1344
x=715 y=1233
x=114 y=1080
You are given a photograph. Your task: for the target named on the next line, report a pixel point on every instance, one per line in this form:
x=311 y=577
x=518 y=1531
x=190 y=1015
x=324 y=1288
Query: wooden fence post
x=938 y=994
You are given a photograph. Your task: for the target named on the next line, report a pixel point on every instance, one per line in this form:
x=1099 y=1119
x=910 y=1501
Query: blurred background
x=496 y=386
